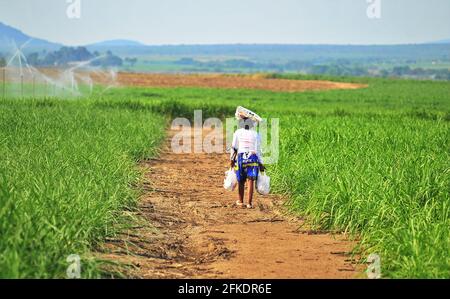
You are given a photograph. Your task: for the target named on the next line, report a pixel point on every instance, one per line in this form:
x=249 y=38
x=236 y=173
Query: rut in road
x=191 y=229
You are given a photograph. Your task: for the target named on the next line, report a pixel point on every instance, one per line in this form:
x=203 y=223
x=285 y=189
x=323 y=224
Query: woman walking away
x=246 y=154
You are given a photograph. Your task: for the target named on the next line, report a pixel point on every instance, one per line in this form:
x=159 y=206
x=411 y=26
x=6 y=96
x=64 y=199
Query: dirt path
x=193 y=230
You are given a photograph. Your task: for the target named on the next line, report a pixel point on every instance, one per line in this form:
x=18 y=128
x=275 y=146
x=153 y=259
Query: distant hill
x=121 y=46
x=442 y=41
x=10 y=35
x=277 y=52
x=116 y=43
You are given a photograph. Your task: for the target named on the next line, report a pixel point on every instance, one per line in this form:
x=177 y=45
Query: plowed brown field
x=229 y=81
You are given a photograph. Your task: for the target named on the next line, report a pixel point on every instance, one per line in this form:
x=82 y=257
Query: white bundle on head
x=242 y=113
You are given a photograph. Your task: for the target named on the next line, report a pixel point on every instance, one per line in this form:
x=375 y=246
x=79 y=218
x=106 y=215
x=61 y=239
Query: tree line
x=338 y=67
x=67 y=55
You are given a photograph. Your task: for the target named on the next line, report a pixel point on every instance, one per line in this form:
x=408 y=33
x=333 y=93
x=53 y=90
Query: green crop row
x=66 y=173
x=373 y=162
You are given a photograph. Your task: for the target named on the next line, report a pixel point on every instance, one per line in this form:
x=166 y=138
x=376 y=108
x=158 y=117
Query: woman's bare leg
x=251 y=184
x=241 y=191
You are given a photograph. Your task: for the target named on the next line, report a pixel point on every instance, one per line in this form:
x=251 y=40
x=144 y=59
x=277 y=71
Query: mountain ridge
x=11 y=37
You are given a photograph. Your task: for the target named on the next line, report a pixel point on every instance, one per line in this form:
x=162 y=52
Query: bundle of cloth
x=244 y=113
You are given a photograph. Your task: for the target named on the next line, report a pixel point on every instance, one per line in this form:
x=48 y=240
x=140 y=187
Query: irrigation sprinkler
x=34 y=83
x=73 y=84
x=4 y=83
x=21 y=86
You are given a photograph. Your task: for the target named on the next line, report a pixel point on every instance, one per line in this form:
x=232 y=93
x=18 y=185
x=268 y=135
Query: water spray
x=4 y=83
x=73 y=81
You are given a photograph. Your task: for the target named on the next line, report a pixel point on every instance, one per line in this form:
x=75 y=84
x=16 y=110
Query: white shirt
x=247 y=141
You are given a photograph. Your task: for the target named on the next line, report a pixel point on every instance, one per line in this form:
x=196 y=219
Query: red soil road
x=256 y=81
x=190 y=228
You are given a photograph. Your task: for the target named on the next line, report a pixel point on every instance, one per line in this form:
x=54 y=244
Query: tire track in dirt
x=191 y=229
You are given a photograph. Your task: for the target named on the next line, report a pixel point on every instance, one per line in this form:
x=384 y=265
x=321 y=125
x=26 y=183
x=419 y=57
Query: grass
x=373 y=162
x=67 y=171
x=385 y=179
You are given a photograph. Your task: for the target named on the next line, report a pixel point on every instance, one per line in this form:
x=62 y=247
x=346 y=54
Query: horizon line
x=142 y=44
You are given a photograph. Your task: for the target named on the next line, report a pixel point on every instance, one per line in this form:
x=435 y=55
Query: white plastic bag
x=230 y=181
x=263 y=184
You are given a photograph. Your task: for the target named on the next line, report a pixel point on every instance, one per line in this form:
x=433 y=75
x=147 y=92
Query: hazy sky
x=231 y=21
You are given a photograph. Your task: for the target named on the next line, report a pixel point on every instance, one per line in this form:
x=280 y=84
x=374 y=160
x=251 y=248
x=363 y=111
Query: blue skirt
x=247 y=167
